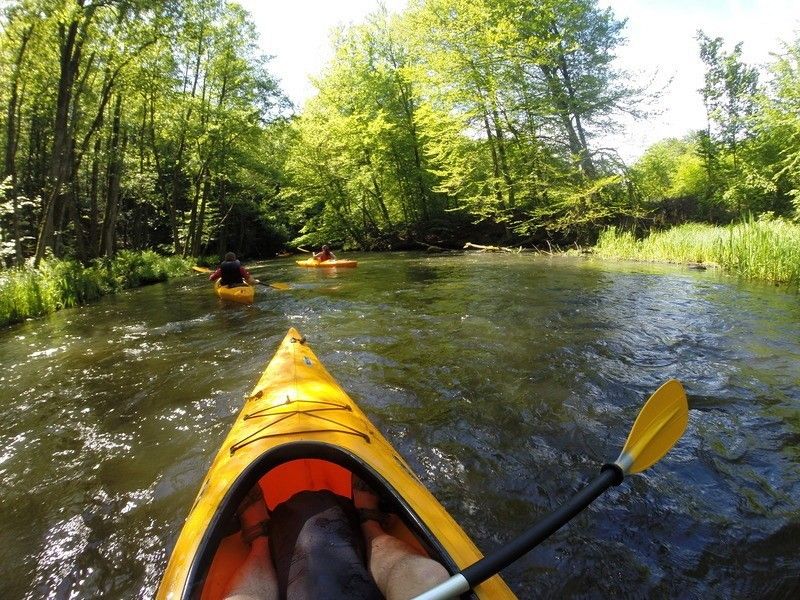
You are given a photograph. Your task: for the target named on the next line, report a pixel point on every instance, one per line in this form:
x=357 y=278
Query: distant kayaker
x=324 y=254
x=318 y=551
x=232 y=272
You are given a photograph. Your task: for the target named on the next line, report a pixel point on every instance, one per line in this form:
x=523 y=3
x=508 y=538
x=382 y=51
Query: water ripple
x=505 y=381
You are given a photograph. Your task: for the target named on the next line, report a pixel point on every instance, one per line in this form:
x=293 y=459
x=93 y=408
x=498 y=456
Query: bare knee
x=412 y=575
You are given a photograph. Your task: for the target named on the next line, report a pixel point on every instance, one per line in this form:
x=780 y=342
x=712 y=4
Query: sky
x=661 y=47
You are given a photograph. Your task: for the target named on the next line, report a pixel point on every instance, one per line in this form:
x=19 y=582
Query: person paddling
x=324 y=254
x=232 y=272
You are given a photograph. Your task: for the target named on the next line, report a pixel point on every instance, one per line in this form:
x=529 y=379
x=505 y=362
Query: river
x=504 y=380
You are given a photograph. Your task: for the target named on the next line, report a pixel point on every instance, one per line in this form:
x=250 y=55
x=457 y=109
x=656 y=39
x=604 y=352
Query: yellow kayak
x=242 y=293
x=327 y=264
x=300 y=431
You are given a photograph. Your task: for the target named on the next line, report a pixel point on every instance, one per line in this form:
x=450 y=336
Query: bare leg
x=255 y=579
x=398 y=569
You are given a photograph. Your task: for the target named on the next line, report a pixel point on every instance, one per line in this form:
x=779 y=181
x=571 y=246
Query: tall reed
x=765 y=249
x=27 y=292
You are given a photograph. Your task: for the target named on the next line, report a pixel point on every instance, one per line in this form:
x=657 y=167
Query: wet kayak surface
x=504 y=380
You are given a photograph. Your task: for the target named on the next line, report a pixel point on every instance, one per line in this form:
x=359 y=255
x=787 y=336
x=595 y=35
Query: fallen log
x=492 y=248
x=430 y=247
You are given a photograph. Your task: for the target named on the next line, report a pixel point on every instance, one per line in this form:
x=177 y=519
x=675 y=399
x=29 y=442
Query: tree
x=778 y=126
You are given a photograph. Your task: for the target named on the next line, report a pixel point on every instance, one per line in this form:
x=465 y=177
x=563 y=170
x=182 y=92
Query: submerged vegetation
x=31 y=292
x=765 y=249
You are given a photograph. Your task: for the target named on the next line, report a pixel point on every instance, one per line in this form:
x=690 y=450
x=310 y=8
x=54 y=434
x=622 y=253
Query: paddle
x=277 y=285
x=660 y=424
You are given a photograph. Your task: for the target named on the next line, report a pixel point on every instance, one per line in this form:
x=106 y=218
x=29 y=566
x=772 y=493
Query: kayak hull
x=299 y=430
x=328 y=264
x=243 y=294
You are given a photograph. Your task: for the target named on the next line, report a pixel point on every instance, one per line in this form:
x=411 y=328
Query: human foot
x=366 y=502
x=253 y=516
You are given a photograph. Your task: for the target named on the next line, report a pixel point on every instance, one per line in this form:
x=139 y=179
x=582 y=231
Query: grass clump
x=766 y=249
x=27 y=292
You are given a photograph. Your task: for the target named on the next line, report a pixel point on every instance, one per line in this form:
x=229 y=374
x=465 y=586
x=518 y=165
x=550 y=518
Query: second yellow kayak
x=242 y=293
x=327 y=264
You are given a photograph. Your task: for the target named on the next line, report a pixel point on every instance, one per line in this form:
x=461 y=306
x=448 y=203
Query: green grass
x=56 y=284
x=765 y=249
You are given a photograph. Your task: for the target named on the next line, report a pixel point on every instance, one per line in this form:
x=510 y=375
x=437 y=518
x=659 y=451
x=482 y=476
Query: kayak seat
x=278 y=485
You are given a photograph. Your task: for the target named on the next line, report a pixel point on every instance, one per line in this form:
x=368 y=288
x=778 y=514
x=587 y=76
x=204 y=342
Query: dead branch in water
x=492 y=248
x=430 y=247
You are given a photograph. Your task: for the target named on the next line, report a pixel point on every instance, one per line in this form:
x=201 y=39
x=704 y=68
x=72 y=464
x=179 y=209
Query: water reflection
x=504 y=380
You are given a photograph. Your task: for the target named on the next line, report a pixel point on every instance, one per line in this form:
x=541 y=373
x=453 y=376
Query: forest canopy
x=152 y=124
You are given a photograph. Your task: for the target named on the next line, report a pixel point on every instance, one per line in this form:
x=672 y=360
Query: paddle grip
x=494 y=563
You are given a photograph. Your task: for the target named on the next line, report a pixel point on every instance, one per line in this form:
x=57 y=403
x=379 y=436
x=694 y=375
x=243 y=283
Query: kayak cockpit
x=281 y=473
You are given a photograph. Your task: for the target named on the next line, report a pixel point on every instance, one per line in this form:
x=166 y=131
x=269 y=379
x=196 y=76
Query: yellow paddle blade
x=280 y=286
x=660 y=424
x=201 y=269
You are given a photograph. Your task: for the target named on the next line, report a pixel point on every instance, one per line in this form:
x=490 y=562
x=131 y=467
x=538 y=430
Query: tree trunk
x=72 y=38
x=94 y=217
x=178 y=168
x=116 y=152
x=501 y=152
x=198 y=233
x=495 y=160
x=12 y=142
x=165 y=193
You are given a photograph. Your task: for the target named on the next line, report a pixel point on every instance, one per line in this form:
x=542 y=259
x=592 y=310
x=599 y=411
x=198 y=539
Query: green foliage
x=169 y=132
x=165 y=108
x=671 y=168
x=689 y=243
x=357 y=173
x=729 y=92
x=766 y=249
x=579 y=211
x=27 y=292
x=779 y=127
x=746 y=161
x=479 y=107
x=133 y=269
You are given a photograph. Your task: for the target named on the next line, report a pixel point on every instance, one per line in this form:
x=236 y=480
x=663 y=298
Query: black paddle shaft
x=610 y=475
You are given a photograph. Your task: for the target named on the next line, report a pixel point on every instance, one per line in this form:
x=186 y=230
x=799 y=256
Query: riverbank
x=57 y=284
x=764 y=250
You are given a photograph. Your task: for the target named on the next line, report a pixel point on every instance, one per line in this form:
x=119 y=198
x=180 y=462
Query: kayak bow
x=298 y=431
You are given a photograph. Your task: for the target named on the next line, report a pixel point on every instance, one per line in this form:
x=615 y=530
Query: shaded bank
x=32 y=292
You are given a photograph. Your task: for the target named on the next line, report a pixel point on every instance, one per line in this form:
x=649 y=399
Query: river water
x=505 y=381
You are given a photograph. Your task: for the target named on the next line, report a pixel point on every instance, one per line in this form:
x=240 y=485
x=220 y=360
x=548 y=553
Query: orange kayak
x=299 y=430
x=328 y=264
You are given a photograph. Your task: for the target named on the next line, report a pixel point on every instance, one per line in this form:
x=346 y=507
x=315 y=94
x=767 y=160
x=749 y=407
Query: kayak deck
x=242 y=293
x=299 y=431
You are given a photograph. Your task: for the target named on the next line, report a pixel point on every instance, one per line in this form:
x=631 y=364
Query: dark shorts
x=318 y=549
